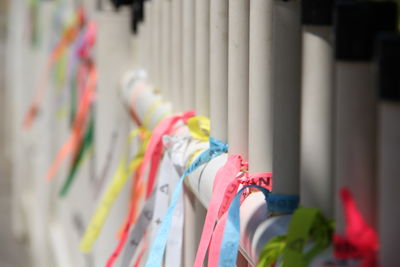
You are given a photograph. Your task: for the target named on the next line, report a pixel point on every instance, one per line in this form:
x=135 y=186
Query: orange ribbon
x=66 y=39
x=72 y=142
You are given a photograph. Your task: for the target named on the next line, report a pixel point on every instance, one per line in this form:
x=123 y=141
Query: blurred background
x=13 y=252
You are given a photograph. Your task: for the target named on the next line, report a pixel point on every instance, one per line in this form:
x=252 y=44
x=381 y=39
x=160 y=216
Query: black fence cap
x=356 y=25
x=387 y=59
x=317 y=12
x=119 y=3
x=137 y=15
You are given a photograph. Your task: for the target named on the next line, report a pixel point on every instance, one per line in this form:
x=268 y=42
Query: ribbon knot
x=187 y=115
x=216 y=146
x=245 y=168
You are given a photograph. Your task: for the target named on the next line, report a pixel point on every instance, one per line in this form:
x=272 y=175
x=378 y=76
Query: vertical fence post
x=316 y=158
x=188 y=70
x=156 y=70
x=355 y=107
x=287 y=88
x=219 y=69
x=238 y=77
x=166 y=48
x=388 y=62
x=202 y=57
x=260 y=85
x=176 y=54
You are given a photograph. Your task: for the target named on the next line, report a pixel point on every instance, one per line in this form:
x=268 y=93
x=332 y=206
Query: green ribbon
x=308 y=228
x=60 y=71
x=85 y=147
x=34 y=22
x=307 y=224
x=271 y=252
x=73 y=101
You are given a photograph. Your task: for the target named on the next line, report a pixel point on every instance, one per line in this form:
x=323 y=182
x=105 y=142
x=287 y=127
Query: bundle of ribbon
x=228 y=180
x=157 y=250
x=310 y=233
x=83 y=51
x=155 y=206
x=232 y=184
x=68 y=36
x=308 y=228
x=79 y=35
x=147 y=164
x=152 y=159
x=80 y=123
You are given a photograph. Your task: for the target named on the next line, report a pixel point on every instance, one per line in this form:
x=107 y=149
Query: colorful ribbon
x=151 y=214
x=78 y=159
x=152 y=157
x=153 y=153
x=272 y=251
x=157 y=250
x=199 y=128
x=223 y=178
x=308 y=227
x=116 y=185
x=72 y=143
x=231 y=236
x=68 y=36
x=361 y=240
x=225 y=187
x=308 y=235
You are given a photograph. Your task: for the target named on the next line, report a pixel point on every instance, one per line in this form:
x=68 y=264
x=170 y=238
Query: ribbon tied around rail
x=152 y=157
x=308 y=229
x=231 y=234
x=225 y=238
x=151 y=215
x=154 y=152
x=228 y=180
x=199 y=128
x=223 y=178
x=157 y=250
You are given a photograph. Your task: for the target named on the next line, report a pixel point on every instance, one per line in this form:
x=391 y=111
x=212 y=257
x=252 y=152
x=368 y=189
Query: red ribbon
x=360 y=240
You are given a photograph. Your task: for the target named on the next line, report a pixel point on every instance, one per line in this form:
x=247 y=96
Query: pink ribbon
x=227 y=181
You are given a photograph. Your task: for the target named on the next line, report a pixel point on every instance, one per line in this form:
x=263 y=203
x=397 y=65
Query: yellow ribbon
x=199 y=128
x=118 y=182
x=149 y=113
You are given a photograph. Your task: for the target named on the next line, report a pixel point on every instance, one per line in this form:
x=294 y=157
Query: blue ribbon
x=157 y=250
x=231 y=238
x=283 y=203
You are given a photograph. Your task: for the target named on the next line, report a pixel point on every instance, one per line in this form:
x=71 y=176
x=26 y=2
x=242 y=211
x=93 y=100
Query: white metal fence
x=271 y=87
